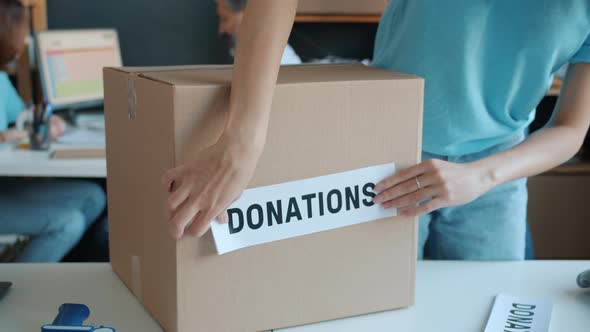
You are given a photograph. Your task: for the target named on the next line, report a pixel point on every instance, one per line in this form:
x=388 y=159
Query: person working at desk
x=486 y=65
x=54 y=213
x=230 y=14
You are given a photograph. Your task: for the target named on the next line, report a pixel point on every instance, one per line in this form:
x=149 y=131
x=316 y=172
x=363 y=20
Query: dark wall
x=348 y=40
x=156 y=32
x=151 y=32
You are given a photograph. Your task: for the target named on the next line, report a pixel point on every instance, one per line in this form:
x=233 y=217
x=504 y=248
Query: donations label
x=290 y=209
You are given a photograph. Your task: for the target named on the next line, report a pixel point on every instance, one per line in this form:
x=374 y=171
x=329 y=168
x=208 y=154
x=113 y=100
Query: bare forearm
x=550 y=146
x=261 y=41
x=543 y=150
x=219 y=174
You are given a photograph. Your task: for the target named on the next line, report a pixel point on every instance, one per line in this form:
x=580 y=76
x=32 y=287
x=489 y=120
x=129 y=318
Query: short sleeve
x=583 y=54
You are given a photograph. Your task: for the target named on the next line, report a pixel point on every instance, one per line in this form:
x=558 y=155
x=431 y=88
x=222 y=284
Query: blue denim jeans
x=492 y=227
x=55 y=213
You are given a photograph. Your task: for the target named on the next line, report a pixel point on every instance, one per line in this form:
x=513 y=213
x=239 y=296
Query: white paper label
x=290 y=209
x=511 y=314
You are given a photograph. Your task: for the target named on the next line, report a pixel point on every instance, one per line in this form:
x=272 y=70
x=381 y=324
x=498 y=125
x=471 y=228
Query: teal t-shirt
x=10 y=102
x=486 y=63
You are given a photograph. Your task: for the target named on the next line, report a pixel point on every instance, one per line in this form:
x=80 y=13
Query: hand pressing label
x=281 y=211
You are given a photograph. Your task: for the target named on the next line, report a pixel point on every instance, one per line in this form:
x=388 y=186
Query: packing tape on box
x=136 y=276
x=131 y=98
x=282 y=211
x=131 y=91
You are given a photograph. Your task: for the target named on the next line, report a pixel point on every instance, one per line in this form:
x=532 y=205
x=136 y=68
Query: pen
x=48 y=110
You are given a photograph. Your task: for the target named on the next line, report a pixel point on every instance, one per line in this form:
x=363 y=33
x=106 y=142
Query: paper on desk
x=511 y=314
x=91 y=121
x=83 y=137
x=286 y=210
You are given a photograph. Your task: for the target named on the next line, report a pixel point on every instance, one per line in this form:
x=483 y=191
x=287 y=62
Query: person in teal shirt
x=486 y=65
x=11 y=104
x=53 y=213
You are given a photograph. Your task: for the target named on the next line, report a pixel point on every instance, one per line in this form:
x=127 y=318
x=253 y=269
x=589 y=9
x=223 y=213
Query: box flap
x=142 y=70
x=206 y=75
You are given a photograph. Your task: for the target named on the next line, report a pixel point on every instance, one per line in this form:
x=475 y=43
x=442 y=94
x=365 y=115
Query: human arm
x=450 y=184
x=57 y=127
x=203 y=188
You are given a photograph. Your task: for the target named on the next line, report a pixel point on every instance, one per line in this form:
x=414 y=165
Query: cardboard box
x=325 y=119
x=342 y=7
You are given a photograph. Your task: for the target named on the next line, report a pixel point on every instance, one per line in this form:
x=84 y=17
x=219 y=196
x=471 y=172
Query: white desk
x=458 y=297
x=39 y=289
x=451 y=296
x=39 y=164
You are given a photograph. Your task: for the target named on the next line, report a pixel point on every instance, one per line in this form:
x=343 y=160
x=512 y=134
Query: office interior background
x=156 y=33
x=60 y=73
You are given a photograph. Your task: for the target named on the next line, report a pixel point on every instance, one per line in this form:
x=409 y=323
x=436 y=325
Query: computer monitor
x=71 y=63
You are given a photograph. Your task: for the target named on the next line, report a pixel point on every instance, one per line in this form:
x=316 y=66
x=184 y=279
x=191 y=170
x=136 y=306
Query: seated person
x=230 y=16
x=54 y=213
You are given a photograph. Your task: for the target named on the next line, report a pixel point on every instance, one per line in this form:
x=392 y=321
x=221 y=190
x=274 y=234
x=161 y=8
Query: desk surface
x=39 y=164
x=451 y=296
x=458 y=296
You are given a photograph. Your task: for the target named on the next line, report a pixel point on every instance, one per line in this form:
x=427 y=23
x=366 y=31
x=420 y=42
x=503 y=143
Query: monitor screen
x=71 y=62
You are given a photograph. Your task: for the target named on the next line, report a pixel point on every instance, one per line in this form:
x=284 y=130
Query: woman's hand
x=435 y=182
x=57 y=127
x=202 y=189
x=12 y=135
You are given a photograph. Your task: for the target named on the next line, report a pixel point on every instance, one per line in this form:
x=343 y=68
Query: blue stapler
x=71 y=317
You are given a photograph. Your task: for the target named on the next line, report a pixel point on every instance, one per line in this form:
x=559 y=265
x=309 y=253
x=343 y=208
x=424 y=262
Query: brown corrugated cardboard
x=77 y=153
x=325 y=119
x=342 y=7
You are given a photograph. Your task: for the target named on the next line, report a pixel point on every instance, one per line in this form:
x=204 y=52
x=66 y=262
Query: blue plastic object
x=71 y=314
x=584 y=279
x=71 y=317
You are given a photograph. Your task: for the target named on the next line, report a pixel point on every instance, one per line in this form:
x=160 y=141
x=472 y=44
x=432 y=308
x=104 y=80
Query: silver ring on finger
x=418 y=184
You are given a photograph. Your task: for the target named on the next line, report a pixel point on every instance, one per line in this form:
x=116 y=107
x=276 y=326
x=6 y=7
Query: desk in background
x=28 y=163
x=450 y=296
